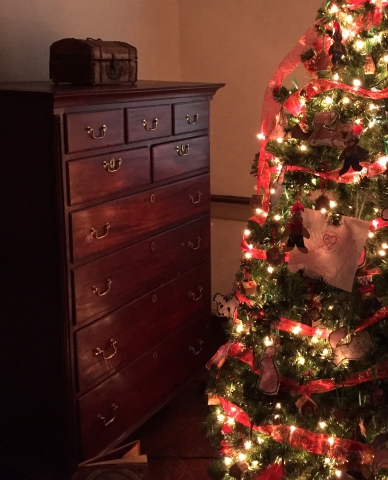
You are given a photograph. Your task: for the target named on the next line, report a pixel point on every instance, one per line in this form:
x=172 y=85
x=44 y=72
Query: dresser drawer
x=110 y=410
x=130 y=219
x=103 y=175
x=190 y=117
x=93 y=130
x=114 y=280
x=179 y=158
x=146 y=123
x=118 y=339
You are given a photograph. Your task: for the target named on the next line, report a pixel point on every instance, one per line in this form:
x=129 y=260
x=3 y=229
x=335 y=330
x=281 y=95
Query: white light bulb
x=279 y=140
x=248 y=444
x=336 y=77
x=270 y=269
x=322 y=425
x=384 y=245
x=303 y=148
x=260 y=136
x=371 y=234
x=272 y=191
x=323 y=210
x=329 y=100
x=242 y=456
x=357 y=82
x=359 y=44
x=332 y=203
x=382 y=253
x=247 y=233
x=385 y=58
x=277 y=218
x=227 y=460
x=331 y=441
x=292 y=428
x=346 y=100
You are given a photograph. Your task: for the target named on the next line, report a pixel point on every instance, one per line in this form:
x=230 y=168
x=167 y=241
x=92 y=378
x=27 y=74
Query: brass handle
x=99 y=351
x=190 y=244
x=196 y=352
x=93 y=231
x=192 y=295
x=106 y=422
x=154 y=125
x=103 y=130
x=113 y=165
x=192 y=122
x=183 y=149
x=191 y=198
x=98 y=292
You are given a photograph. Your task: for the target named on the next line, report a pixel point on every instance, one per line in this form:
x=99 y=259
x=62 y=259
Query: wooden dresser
x=105 y=261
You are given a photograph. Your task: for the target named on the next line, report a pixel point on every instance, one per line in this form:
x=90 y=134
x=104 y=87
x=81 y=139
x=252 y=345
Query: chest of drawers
x=105 y=261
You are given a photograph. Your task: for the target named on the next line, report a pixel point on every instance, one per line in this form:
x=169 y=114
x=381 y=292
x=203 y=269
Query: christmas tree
x=300 y=390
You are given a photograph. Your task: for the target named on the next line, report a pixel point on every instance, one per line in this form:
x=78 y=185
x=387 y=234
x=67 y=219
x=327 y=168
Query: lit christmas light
x=227 y=461
x=303 y=148
x=357 y=82
x=248 y=444
x=247 y=232
x=346 y=100
x=270 y=269
x=261 y=136
x=333 y=204
x=277 y=218
x=331 y=440
x=371 y=234
x=382 y=253
x=322 y=425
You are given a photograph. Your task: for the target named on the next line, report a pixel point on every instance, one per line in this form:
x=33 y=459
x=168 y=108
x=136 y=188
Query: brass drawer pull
x=192 y=122
x=99 y=351
x=152 y=198
x=98 y=292
x=196 y=352
x=106 y=422
x=93 y=231
x=154 y=125
x=113 y=165
x=103 y=130
x=190 y=244
x=191 y=198
x=183 y=149
x=192 y=294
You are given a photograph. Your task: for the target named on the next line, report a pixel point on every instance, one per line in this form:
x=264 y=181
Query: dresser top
x=142 y=88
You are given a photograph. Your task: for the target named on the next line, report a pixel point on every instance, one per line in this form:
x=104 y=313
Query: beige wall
x=240 y=43
x=29 y=27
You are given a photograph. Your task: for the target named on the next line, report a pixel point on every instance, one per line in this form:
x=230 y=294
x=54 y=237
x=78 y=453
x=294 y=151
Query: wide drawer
x=146 y=123
x=179 y=158
x=118 y=339
x=190 y=117
x=125 y=221
x=114 y=280
x=93 y=130
x=102 y=175
x=111 y=409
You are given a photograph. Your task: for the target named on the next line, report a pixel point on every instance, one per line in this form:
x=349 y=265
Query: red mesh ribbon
x=376 y=317
x=287 y=325
x=315 y=443
x=378 y=371
x=373 y=169
x=273 y=472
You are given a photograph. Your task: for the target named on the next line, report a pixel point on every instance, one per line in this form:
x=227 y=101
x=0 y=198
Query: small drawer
x=180 y=158
x=114 y=407
x=118 y=339
x=93 y=130
x=130 y=219
x=117 y=279
x=103 y=175
x=145 y=123
x=190 y=117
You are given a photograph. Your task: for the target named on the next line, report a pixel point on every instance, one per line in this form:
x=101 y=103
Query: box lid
x=92 y=49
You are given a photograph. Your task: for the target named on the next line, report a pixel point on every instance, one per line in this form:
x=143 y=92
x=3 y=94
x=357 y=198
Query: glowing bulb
x=247 y=233
x=242 y=456
x=336 y=77
x=221 y=417
x=331 y=440
x=383 y=161
x=272 y=191
x=371 y=234
x=327 y=460
x=382 y=253
x=227 y=460
x=255 y=463
x=260 y=136
x=359 y=44
x=276 y=416
x=296 y=330
x=279 y=140
x=385 y=58
x=371 y=124
x=248 y=255
x=384 y=245
x=357 y=82
x=301 y=361
x=372 y=106
x=334 y=9
x=329 y=100
x=248 y=444
x=323 y=210
x=346 y=100
x=332 y=203
x=314 y=339
x=325 y=351
x=331 y=307
x=349 y=19
x=338 y=473
x=239 y=328
x=292 y=428
x=303 y=148
x=268 y=342
x=322 y=425
x=278 y=405
x=231 y=421
x=277 y=218
x=270 y=269
x=259 y=210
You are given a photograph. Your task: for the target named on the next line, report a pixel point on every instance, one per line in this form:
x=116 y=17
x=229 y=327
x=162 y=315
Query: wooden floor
x=174 y=439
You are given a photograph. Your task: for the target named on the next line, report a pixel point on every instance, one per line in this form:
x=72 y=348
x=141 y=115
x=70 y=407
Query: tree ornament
x=306 y=406
x=322 y=202
x=237 y=470
x=308 y=58
x=312 y=317
x=380 y=447
x=355 y=468
x=384 y=214
x=370 y=303
x=256 y=202
x=295 y=230
x=337 y=50
x=369 y=66
x=269 y=380
x=352 y=153
x=328 y=130
x=226 y=305
x=275 y=256
x=357 y=348
x=248 y=285
x=322 y=62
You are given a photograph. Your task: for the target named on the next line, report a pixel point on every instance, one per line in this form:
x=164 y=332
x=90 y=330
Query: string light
x=247 y=232
x=221 y=417
x=322 y=425
x=303 y=148
x=333 y=203
x=331 y=440
x=277 y=218
x=296 y=330
x=357 y=82
x=359 y=44
x=292 y=428
x=268 y=342
x=371 y=234
x=279 y=140
x=270 y=269
x=278 y=406
x=336 y=77
x=248 y=444
x=385 y=58
x=384 y=245
x=301 y=361
x=338 y=473
x=382 y=253
x=346 y=99
x=261 y=136
x=272 y=191
x=242 y=456
x=329 y=100
x=227 y=461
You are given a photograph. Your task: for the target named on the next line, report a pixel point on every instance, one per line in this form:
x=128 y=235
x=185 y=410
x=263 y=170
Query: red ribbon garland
x=315 y=443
